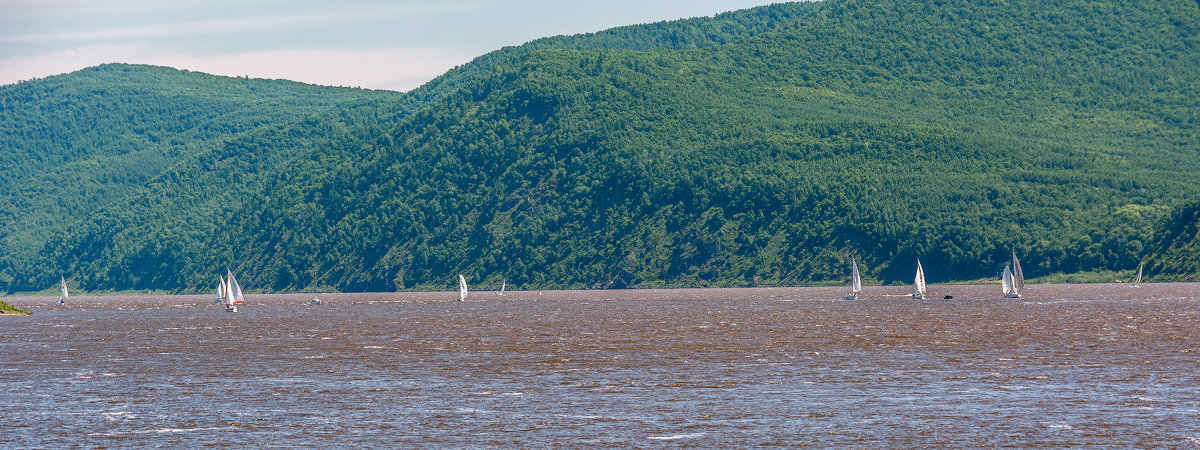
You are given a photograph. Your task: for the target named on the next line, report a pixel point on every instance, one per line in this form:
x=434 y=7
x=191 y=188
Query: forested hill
x=764 y=154
x=72 y=144
x=81 y=141
x=1176 y=247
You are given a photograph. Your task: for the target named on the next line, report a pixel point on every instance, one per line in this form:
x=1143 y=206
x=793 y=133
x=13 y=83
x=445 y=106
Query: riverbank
x=10 y=310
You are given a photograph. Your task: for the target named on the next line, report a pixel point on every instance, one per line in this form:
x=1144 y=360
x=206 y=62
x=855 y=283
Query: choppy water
x=1095 y=365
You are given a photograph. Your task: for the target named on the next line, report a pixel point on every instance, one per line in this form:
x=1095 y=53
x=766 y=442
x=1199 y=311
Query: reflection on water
x=1094 y=365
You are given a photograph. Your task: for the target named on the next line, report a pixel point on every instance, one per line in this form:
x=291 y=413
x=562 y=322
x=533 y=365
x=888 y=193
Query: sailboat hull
x=850 y=297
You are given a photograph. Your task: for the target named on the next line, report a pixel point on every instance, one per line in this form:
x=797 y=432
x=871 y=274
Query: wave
x=676 y=437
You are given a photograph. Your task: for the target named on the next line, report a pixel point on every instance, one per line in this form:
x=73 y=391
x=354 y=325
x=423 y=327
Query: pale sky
x=397 y=44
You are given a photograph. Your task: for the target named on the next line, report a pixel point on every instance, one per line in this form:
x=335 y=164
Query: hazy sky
x=396 y=44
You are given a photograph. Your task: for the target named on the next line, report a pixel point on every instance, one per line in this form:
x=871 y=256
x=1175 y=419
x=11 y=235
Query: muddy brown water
x=1086 y=365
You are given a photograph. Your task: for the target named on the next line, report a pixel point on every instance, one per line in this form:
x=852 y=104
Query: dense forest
x=71 y=145
x=760 y=147
x=1176 y=245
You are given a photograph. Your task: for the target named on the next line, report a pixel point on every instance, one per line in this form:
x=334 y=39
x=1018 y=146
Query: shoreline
x=7 y=309
x=511 y=291
x=981 y=282
x=205 y=299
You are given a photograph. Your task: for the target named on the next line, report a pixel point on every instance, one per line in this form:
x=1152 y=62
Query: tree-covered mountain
x=761 y=147
x=196 y=112
x=1176 y=246
x=73 y=144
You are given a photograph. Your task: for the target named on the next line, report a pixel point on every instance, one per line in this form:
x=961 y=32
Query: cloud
x=393 y=68
x=226 y=26
x=382 y=68
x=27 y=67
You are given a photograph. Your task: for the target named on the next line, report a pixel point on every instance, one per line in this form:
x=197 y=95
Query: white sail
x=1006 y=284
x=503 y=284
x=1018 y=276
x=854 y=274
x=919 y=283
x=221 y=286
x=1138 y=280
x=235 y=291
x=855 y=281
x=62 y=288
x=225 y=297
x=462 y=288
x=228 y=298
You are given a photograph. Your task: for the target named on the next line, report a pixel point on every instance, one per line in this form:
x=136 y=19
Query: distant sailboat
x=856 y=281
x=220 y=290
x=462 y=288
x=1018 y=274
x=1136 y=281
x=62 y=291
x=233 y=293
x=502 y=285
x=1006 y=284
x=316 y=300
x=919 y=283
x=1013 y=281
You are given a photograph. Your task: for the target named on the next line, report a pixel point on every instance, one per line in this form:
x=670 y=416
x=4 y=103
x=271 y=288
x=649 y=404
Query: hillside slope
x=74 y=144
x=1176 y=246
x=940 y=130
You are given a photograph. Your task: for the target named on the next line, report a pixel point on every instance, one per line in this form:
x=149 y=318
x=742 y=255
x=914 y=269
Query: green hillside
x=176 y=192
x=1176 y=247
x=766 y=149
x=75 y=143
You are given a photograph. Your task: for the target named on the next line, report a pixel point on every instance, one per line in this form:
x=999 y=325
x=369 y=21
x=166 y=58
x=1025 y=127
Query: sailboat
x=1138 y=280
x=1013 y=281
x=919 y=283
x=502 y=285
x=220 y=290
x=1018 y=274
x=62 y=291
x=462 y=288
x=316 y=300
x=233 y=293
x=856 y=280
x=1006 y=284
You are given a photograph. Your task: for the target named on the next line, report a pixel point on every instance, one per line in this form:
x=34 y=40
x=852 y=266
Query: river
x=1078 y=365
